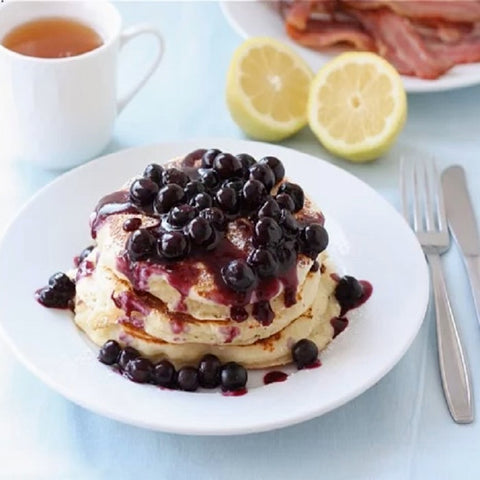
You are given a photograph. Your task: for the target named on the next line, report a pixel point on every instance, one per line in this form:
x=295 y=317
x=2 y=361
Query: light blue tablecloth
x=399 y=429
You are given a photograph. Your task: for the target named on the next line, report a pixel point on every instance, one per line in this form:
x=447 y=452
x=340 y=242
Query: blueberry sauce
x=238 y=314
x=85 y=269
x=129 y=303
x=132 y=224
x=339 y=324
x=275 y=376
x=234 y=393
x=229 y=333
x=317 y=363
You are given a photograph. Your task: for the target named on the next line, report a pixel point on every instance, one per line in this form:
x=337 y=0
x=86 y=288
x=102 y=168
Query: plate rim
x=191 y=430
x=413 y=85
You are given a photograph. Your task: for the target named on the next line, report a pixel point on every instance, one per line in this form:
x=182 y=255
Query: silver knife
x=463 y=225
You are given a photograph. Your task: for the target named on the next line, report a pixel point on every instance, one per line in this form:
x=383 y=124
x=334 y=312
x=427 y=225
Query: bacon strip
x=449 y=10
x=466 y=52
x=398 y=42
x=319 y=35
x=298 y=14
x=424 y=38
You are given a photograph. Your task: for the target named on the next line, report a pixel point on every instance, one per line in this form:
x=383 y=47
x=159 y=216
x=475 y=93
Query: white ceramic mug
x=60 y=112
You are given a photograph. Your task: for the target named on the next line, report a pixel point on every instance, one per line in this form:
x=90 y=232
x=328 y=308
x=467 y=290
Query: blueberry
x=348 y=292
x=227 y=200
x=263 y=313
x=187 y=379
x=285 y=201
x=209 y=371
x=127 y=354
x=209 y=178
x=263 y=173
x=143 y=191
x=169 y=196
x=233 y=377
x=193 y=188
x=51 y=298
x=201 y=201
x=287 y=256
x=139 y=370
x=276 y=166
x=62 y=284
x=296 y=192
x=227 y=166
x=238 y=314
x=132 y=224
x=254 y=194
x=84 y=254
x=200 y=231
x=215 y=217
x=141 y=245
x=269 y=209
x=209 y=156
x=247 y=161
x=264 y=262
x=173 y=245
x=175 y=176
x=289 y=224
x=180 y=215
x=314 y=240
x=163 y=374
x=304 y=353
x=154 y=172
x=109 y=352
x=238 y=275
x=235 y=183
x=267 y=232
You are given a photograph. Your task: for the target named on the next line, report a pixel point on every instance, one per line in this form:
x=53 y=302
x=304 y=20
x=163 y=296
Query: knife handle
x=453 y=367
x=473 y=269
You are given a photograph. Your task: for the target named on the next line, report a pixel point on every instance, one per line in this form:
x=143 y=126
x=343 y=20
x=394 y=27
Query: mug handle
x=127 y=35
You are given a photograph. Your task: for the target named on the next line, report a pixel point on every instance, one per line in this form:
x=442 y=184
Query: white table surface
x=399 y=429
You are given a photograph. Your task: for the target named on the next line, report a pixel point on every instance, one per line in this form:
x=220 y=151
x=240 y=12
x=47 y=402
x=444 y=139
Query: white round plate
x=257 y=18
x=369 y=239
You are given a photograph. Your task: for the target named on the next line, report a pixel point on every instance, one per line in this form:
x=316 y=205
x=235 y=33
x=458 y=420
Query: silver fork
x=423 y=208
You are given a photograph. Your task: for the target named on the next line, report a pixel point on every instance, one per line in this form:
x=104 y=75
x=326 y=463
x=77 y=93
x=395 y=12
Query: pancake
x=183 y=308
x=99 y=317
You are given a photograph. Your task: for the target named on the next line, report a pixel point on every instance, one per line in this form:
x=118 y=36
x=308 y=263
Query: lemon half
x=357 y=106
x=267 y=89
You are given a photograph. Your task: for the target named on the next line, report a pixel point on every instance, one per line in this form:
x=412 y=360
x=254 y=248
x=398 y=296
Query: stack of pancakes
x=155 y=309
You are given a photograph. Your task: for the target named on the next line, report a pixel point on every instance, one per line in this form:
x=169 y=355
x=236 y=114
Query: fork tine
x=418 y=174
x=403 y=188
x=431 y=193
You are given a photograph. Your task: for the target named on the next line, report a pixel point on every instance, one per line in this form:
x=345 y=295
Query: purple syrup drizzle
x=275 y=376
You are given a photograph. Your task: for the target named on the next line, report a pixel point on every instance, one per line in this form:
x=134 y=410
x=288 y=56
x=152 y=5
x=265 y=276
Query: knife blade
x=463 y=225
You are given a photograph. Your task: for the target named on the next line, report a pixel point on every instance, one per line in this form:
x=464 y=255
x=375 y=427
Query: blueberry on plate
x=139 y=370
x=209 y=370
x=187 y=379
x=163 y=374
x=233 y=377
x=109 y=352
x=304 y=353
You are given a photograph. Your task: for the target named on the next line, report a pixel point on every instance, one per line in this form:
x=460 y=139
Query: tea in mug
x=52 y=37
